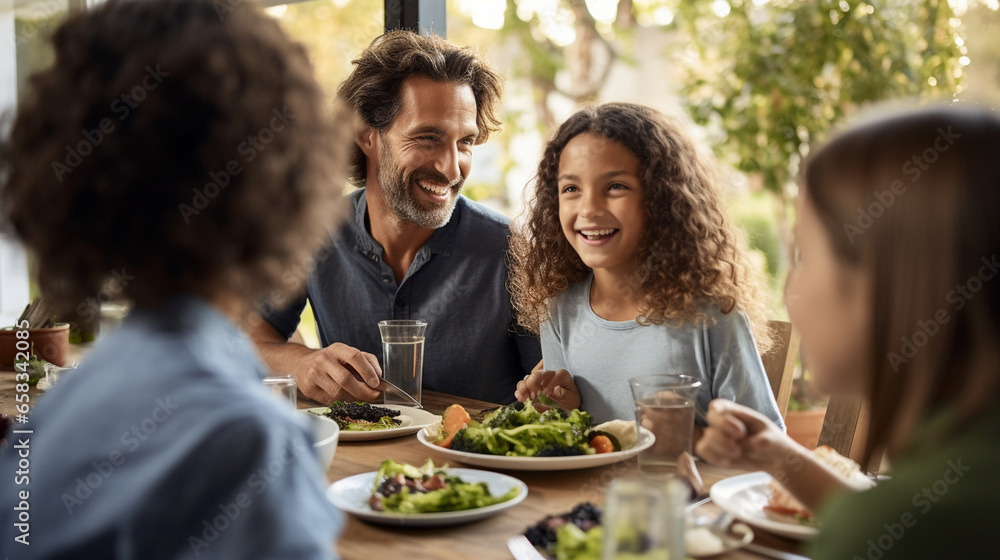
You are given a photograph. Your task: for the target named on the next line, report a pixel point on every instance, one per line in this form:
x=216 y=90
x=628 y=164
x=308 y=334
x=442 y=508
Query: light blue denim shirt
x=457 y=283
x=164 y=444
x=602 y=355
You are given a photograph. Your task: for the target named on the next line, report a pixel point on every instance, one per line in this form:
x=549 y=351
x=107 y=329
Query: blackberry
x=586 y=516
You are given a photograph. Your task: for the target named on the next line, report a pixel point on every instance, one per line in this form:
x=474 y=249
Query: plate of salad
x=360 y=421
x=519 y=437
x=426 y=496
x=579 y=535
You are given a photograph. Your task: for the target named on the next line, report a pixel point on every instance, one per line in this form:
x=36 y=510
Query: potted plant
x=36 y=335
x=806 y=411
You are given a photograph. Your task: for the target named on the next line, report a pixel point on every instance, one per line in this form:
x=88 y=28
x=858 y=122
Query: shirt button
x=375 y=258
x=385 y=279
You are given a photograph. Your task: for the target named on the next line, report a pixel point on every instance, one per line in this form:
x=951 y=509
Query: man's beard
x=398 y=190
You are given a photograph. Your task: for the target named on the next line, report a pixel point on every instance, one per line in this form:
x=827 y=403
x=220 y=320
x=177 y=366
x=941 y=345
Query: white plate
x=412 y=419
x=645 y=440
x=745 y=496
x=351 y=495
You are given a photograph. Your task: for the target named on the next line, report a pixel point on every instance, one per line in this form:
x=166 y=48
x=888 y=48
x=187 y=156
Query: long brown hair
x=914 y=201
x=691 y=253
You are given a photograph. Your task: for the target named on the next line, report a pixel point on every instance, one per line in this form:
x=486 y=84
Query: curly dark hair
x=372 y=90
x=188 y=148
x=691 y=253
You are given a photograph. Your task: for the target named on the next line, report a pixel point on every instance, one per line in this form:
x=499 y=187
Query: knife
x=522 y=549
x=384 y=386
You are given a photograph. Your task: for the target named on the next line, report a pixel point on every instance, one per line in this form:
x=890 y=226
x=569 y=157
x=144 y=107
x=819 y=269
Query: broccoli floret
x=507 y=417
x=554 y=450
x=466 y=441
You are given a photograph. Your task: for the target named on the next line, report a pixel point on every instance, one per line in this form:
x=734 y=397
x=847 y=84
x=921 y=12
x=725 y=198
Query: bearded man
x=413 y=247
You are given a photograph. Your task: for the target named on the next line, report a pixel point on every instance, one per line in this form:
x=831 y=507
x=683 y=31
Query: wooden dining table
x=549 y=492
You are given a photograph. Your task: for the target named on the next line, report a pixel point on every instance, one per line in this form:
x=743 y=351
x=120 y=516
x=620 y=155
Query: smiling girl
x=629 y=266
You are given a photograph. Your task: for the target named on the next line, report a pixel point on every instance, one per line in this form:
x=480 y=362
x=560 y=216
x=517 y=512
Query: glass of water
x=643 y=519
x=403 y=358
x=283 y=388
x=665 y=405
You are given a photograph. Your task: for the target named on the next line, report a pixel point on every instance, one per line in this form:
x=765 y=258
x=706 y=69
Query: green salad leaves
x=525 y=432
x=403 y=488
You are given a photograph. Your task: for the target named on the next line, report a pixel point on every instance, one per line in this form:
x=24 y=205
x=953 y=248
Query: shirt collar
x=213 y=331
x=440 y=242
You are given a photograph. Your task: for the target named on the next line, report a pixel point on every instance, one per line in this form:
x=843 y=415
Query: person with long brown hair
x=629 y=266
x=185 y=157
x=895 y=294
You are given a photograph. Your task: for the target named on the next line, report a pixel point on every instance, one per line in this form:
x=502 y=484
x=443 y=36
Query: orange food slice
x=454 y=419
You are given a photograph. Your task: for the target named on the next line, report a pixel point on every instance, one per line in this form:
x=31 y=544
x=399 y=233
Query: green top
x=940 y=503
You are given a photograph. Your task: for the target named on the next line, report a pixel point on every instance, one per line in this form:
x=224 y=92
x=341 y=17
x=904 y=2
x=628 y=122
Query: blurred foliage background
x=764 y=80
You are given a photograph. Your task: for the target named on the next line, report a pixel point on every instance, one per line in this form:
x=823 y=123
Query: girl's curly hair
x=176 y=142
x=691 y=252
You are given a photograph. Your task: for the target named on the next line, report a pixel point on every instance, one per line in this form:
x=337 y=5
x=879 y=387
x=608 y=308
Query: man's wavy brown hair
x=373 y=88
x=162 y=102
x=691 y=253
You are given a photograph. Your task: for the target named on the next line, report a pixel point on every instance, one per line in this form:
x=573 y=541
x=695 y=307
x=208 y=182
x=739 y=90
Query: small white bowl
x=325 y=433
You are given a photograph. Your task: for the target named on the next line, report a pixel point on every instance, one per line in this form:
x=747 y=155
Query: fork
x=522 y=549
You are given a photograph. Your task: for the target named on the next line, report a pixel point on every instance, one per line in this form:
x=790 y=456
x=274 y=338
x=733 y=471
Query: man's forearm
x=281 y=357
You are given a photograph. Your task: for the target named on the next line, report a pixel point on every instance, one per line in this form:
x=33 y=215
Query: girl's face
x=829 y=303
x=600 y=203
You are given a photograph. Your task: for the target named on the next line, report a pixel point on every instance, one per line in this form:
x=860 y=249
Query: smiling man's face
x=425 y=156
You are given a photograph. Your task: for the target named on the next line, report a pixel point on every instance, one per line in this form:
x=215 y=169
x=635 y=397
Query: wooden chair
x=779 y=362
x=845 y=429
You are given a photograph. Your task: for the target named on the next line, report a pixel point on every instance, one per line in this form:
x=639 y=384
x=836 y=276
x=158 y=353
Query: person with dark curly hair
x=629 y=266
x=413 y=247
x=190 y=160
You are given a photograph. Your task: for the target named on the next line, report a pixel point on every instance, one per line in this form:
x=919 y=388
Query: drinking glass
x=283 y=387
x=665 y=405
x=403 y=358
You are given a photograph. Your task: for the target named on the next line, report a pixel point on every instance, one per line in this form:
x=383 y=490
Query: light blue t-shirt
x=165 y=445
x=602 y=355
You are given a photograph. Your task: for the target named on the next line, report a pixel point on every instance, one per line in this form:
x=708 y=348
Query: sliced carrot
x=602 y=444
x=454 y=419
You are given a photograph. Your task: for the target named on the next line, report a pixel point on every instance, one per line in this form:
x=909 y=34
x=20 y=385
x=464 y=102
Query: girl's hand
x=740 y=437
x=557 y=385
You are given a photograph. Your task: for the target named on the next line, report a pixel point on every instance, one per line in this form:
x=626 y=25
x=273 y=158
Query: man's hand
x=740 y=437
x=337 y=373
x=557 y=385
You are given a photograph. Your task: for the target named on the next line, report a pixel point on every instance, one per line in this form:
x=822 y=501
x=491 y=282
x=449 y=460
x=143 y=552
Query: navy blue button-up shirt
x=456 y=283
